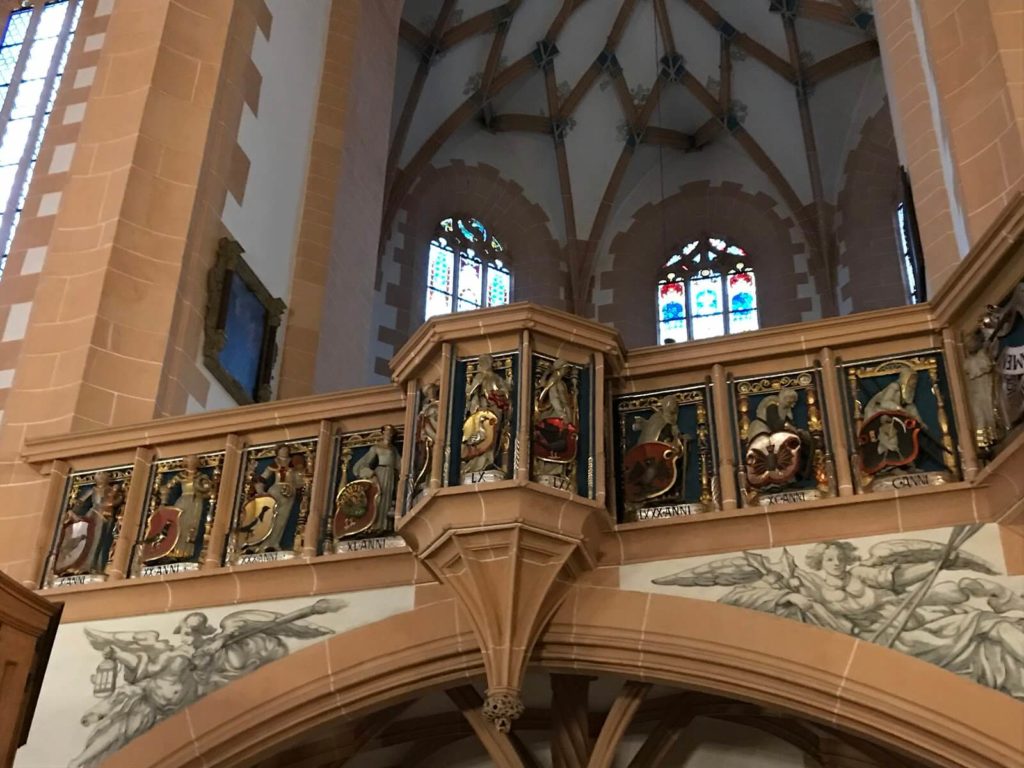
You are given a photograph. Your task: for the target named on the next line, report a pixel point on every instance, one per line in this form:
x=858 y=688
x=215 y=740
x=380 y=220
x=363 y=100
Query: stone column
x=955 y=119
x=97 y=329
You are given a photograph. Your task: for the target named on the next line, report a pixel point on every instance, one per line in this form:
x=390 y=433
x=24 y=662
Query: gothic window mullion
x=706 y=289
x=474 y=249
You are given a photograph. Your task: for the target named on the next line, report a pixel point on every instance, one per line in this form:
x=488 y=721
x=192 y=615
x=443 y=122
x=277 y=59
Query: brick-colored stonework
x=750 y=221
x=95 y=346
x=920 y=145
x=866 y=232
x=35 y=232
x=977 y=107
x=335 y=258
x=225 y=169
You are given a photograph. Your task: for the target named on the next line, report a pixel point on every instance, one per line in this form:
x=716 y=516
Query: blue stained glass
x=497 y=287
x=672 y=311
x=463 y=272
x=441 y=269
x=742 y=302
x=17 y=24
x=466 y=232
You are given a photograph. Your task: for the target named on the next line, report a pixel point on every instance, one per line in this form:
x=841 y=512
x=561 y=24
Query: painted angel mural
x=159 y=676
x=894 y=596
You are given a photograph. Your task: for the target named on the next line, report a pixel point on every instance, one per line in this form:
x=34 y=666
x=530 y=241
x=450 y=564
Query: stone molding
x=510 y=555
x=937 y=717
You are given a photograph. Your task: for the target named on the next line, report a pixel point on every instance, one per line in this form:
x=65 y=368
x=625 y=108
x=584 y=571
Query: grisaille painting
x=113 y=680
x=941 y=595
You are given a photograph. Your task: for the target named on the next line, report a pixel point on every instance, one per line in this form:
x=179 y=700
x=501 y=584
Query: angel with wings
x=972 y=626
x=160 y=677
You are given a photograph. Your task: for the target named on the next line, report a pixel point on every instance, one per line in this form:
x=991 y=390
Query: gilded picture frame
x=242 y=320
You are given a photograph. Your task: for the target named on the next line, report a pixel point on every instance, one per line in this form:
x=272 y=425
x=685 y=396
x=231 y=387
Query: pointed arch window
x=34 y=49
x=466 y=269
x=706 y=288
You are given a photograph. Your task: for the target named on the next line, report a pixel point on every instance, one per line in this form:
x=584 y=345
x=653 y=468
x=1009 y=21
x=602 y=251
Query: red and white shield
x=888 y=439
x=77 y=540
x=649 y=471
x=161 y=534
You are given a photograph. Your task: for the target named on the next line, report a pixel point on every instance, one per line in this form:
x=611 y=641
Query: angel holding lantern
x=160 y=677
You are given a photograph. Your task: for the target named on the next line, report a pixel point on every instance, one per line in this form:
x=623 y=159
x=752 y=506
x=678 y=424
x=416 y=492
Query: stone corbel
x=510 y=556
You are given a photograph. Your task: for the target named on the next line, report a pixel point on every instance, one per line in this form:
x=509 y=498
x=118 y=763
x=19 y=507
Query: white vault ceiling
x=574 y=127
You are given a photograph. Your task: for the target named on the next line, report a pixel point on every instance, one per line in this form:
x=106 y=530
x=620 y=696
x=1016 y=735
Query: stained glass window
x=466 y=269
x=907 y=254
x=706 y=289
x=38 y=39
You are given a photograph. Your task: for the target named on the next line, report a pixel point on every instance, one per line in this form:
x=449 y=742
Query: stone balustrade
x=527 y=397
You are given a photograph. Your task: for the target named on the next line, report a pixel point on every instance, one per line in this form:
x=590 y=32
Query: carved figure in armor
x=651 y=466
x=556 y=421
x=426 y=433
x=980 y=369
x=174 y=527
x=87 y=528
x=1002 y=321
x=380 y=464
x=484 y=432
x=279 y=489
x=778 y=451
x=892 y=425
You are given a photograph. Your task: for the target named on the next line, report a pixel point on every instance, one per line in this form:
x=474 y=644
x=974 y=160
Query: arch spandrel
x=845 y=683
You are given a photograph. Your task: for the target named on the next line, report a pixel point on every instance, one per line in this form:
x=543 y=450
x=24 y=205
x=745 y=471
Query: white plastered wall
x=277 y=142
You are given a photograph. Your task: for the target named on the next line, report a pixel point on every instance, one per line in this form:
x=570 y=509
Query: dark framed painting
x=242 y=320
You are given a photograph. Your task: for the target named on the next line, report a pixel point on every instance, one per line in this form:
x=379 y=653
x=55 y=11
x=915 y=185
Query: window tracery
x=466 y=269
x=706 y=289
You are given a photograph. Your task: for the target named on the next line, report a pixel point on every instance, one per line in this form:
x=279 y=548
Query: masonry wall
x=462 y=188
x=869 y=273
x=754 y=222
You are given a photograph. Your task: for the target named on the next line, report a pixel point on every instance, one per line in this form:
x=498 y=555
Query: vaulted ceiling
x=597 y=107
x=578 y=721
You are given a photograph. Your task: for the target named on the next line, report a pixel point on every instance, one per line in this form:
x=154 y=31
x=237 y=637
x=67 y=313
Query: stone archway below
x=859 y=688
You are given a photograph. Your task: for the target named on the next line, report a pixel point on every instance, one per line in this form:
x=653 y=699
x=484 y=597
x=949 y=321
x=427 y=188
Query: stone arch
x=751 y=221
x=868 y=267
x=534 y=256
x=829 y=677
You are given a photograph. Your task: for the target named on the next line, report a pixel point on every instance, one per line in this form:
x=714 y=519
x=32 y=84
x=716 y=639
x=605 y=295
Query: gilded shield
x=257 y=520
x=162 y=534
x=355 y=508
x=479 y=434
x=649 y=471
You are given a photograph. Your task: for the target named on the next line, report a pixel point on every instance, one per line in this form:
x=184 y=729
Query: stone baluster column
x=133 y=514
x=836 y=422
x=227 y=497
x=723 y=435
